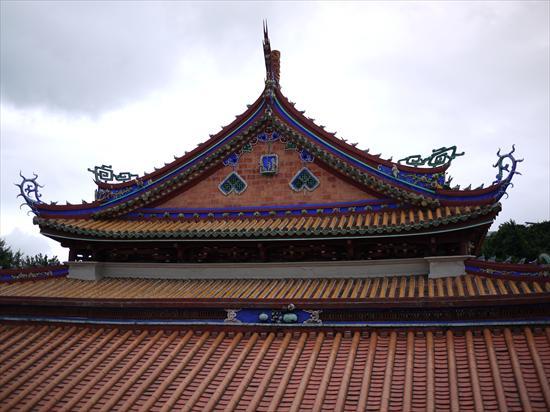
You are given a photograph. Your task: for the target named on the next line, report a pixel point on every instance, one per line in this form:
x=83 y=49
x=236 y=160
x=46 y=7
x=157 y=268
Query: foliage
x=11 y=260
x=518 y=241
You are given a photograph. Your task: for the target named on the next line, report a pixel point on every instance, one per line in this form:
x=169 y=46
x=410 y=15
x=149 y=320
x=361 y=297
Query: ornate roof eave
x=60 y=228
x=506 y=163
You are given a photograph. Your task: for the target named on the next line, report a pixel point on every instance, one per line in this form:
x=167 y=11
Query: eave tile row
x=396 y=287
x=363 y=223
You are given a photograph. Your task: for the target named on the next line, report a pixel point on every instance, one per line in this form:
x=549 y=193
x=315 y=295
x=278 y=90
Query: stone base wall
x=435 y=267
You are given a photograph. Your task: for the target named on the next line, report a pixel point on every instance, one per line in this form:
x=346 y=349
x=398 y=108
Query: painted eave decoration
x=402 y=184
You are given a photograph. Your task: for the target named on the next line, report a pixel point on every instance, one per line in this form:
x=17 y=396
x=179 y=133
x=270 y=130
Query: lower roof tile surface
x=85 y=368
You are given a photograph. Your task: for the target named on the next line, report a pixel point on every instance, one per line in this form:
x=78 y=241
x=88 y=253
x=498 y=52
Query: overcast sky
x=133 y=84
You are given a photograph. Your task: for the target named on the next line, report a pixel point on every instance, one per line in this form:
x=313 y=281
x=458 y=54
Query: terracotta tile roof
x=362 y=223
x=260 y=289
x=84 y=368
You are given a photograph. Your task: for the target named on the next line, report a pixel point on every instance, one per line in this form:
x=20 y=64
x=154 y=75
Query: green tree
x=40 y=260
x=518 y=241
x=11 y=260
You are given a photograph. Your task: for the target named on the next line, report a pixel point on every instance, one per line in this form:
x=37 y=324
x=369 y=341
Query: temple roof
x=107 y=368
x=273 y=118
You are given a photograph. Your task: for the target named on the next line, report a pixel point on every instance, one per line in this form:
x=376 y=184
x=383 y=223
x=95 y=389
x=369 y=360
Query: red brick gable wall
x=267 y=190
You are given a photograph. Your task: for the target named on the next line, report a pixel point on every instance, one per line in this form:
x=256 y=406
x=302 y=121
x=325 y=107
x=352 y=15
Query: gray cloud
x=94 y=56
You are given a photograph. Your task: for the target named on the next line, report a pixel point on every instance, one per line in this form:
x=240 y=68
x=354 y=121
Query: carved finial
x=272 y=60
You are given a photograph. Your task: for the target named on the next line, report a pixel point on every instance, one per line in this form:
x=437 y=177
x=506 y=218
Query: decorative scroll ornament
x=231 y=160
x=504 y=163
x=29 y=191
x=314 y=318
x=290 y=145
x=247 y=148
x=268 y=137
x=439 y=157
x=232 y=316
x=305 y=156
x=105 y=174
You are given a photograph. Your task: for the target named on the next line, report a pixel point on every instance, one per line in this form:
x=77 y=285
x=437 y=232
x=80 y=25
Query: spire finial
x=272 y=59
x=266 y=33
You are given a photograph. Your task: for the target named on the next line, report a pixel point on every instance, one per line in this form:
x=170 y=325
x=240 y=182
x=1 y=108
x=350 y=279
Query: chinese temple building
x=277 y=267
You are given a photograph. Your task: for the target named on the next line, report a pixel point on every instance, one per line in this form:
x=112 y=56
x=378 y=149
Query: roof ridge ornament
x=29 y=191
x=505 y=167
x=105 y=174
x=272 y=60
x=503 y=164
x=439 y=157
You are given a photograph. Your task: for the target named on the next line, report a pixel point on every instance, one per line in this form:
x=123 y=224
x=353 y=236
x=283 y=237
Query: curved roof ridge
x=351 y=148
x=395 y=173
x=133 y=187
x=213 y=139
